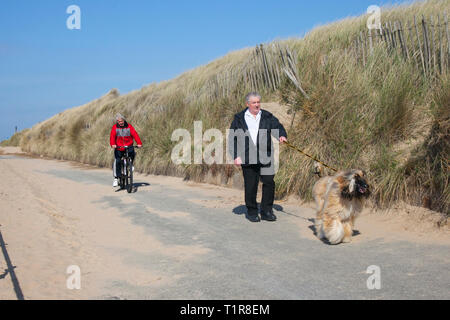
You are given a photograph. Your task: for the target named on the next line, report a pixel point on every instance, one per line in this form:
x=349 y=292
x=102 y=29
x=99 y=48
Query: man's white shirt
x=253 y=124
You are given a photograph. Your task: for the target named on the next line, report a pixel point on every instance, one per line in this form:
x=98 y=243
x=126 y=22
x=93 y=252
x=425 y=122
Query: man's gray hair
x=119 y=116
x=252 y=95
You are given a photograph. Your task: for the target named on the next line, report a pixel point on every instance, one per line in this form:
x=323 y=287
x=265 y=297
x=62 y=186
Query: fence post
x=366 y=47
x=270 y=64
x=266 y=71
x=404 y=40
x=448 y=41
x=370 y=41
x=413 y=46
x=278 y=73
x=254 y=83
x=362 y=48
x=262 y=75
x=420 y=47
x=378 y=35
x=392 y=32
x=433 y=47
x=426 y=45
x=441 y=48
x=399 y=36
x=387 y=37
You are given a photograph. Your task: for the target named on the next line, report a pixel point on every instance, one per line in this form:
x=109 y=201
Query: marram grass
x=384 y=117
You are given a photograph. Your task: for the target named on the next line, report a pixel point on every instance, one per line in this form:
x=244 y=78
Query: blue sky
x=46 y=68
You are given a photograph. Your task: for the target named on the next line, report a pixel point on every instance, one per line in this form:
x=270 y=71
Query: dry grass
x=357 y=116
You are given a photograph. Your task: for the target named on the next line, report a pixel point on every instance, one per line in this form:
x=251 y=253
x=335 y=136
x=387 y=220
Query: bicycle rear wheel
x=129 y=176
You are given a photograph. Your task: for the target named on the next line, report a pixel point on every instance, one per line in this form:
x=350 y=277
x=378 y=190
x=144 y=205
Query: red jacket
x=123 y=136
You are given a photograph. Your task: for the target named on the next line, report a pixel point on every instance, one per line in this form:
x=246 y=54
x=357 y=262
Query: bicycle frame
x=126 y=179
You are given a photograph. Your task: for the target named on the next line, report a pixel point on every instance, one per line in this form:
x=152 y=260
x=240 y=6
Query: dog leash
x=304 y=153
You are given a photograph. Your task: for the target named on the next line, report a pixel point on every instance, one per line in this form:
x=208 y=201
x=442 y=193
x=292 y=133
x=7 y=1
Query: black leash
x=304 y=153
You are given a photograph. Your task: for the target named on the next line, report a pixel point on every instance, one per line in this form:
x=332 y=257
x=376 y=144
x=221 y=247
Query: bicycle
x=126 y=179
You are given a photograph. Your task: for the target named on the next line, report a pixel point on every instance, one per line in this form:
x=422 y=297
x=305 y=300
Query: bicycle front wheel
x=129 y=176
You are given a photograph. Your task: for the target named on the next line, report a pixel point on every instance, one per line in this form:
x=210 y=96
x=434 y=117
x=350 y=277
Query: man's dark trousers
x=252 y=175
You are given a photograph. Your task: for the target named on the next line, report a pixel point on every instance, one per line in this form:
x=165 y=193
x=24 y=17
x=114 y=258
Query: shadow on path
x=10 y=270
x=136 y=186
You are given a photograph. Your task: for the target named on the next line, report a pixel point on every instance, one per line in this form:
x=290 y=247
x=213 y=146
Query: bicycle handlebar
x=126 y=147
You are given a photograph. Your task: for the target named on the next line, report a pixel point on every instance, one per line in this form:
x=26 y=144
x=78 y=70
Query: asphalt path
x=206 y=247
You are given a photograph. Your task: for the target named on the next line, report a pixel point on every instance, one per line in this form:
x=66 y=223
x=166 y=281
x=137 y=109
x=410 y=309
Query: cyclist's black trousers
x=117 y=167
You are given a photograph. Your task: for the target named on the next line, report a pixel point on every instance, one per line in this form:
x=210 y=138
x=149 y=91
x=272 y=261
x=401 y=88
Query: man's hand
x=283 y=139
x=238 y=161
x=113 y=146
x=139 y=145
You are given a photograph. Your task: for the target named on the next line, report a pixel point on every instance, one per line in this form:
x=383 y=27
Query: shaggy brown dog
x=339 y=199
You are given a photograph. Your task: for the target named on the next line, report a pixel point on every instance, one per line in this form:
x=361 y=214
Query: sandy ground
x=50 y=222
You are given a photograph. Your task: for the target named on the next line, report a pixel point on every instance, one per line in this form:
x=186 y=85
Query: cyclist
x=122 y=134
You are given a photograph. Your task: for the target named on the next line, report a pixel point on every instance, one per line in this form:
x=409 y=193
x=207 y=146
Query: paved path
x=173 y=240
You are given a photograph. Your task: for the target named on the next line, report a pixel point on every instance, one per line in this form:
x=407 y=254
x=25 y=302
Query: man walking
x=251 y=148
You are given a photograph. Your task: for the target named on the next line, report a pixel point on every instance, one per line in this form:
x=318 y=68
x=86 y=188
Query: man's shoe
x=268 y=216
x=253 y=217
x=115 y=182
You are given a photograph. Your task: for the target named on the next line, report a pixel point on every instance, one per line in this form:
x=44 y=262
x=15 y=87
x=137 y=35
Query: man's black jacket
x=269 y=122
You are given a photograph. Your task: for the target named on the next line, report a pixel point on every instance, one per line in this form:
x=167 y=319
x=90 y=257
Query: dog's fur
x=339 y=200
